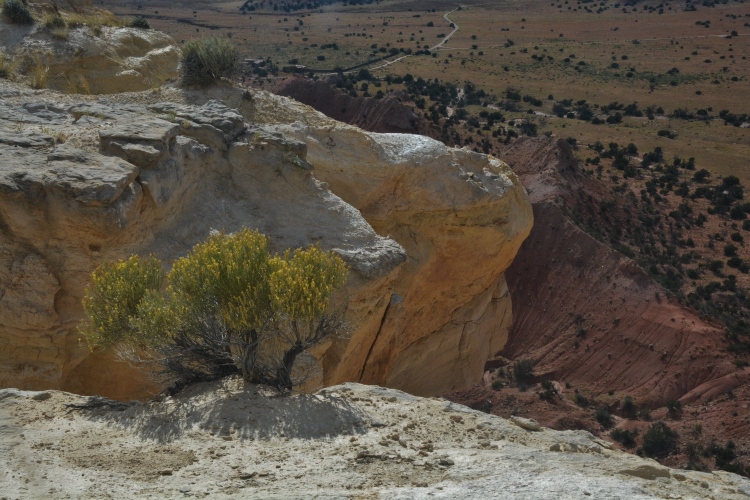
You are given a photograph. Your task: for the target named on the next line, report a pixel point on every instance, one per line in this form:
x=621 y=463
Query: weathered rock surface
x=427 y=230
x=226 y=440
x=97 y=61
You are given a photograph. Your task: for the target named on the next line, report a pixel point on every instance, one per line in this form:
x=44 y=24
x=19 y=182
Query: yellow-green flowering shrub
x=229 y=306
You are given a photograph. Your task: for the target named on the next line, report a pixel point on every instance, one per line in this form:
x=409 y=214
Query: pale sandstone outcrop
x=226 y=440
x=428 y=230
x=105 y=61
x=450 y=209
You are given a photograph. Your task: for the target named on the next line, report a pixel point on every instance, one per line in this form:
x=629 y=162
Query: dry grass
x=39 y=72
x=52 y=21
x=60 y=33
x=7 y=66
x=95 y=19
x=77 y=85
x=58 y=135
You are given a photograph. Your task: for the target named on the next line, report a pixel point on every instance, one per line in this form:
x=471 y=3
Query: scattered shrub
x=207 y=60
x=715 y=266
x=17 y=12
x=659 y=440
x=581 y=400
x=52 y=21
x=628 y=407
x=666 y=133
x=484 y=406
x=140 y=22
x=548 y=392
x=725 y=457
x=730 y=250
x=604 y=418
x=674 y=406
x=523 y=370
x=626 y=437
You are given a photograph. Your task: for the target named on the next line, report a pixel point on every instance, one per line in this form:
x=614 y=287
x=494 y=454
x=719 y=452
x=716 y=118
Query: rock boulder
x=93 y=60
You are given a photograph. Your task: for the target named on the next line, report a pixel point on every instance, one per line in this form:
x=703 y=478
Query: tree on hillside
x=229 y=306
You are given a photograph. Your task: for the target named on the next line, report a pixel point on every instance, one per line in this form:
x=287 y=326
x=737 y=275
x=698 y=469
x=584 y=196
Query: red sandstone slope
x=592 y=321
x=588 y=315
x=389 y=114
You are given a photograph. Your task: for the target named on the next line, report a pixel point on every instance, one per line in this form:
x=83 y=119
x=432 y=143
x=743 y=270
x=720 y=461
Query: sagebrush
x=207 y=60
x=140 y=22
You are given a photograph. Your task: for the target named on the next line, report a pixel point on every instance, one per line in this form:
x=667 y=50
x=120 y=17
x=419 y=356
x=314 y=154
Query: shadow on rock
x=233 y=411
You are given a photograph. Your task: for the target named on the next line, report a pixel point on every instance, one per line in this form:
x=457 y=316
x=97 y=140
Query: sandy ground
x=226 y=439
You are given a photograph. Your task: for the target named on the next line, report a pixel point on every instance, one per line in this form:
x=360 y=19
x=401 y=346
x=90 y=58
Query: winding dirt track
x=436 y=47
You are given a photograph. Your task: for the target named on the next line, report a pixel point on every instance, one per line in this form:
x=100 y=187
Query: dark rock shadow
x=242 y=413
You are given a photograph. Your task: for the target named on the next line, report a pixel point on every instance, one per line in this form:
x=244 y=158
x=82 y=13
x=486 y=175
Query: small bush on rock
x=17 y=12
x=140 y=22
x=229 y=306
x=207 y=60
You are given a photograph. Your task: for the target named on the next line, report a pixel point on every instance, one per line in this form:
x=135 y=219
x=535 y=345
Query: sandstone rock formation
x=92 y=60
x=226 y=440
x=428 y=230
